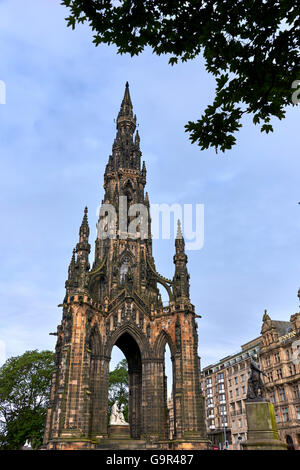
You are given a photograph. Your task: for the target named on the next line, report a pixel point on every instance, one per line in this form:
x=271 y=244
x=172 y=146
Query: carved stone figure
x=117 y=417
x=256 y=389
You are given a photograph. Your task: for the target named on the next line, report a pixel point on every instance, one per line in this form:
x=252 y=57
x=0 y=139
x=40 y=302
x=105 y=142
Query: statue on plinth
x=256 y=388
x=117 y=416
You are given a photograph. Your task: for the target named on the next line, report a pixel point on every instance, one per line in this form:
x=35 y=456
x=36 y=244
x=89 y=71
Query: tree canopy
x=118 y=387
x=250 y=46
x=24 y=398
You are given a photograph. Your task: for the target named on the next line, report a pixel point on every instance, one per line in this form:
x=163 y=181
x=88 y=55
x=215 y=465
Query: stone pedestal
x=119 y=431
x=262 y=429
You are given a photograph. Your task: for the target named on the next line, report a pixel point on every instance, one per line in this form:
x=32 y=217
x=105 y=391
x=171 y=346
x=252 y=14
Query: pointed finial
x=72 y=263
x=84 y=230
x=266 y=316
x=137 y=138
x=126 y=105
x=179 y=232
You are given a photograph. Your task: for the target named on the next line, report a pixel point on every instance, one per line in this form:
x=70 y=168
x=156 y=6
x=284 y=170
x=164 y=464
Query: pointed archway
x=129 y=347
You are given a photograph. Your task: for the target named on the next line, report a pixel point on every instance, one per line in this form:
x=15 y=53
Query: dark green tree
x=250 y=46
x=118 y=387
x=24 y=398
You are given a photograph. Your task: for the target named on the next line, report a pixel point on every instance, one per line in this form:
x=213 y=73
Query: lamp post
x=224 y=431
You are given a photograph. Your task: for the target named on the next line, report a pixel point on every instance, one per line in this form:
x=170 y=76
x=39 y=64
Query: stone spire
x=126 y=152
x=181 y=276
x=83 y=247
x=125 y=116
x=72 y=264
x=179 y=241
x=84 y=230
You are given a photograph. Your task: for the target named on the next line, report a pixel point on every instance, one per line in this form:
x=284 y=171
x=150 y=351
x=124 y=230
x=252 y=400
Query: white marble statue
x=117 y=417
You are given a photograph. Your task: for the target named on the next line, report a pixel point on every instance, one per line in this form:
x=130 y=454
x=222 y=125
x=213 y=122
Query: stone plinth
x=262 y=429
x=119 y=431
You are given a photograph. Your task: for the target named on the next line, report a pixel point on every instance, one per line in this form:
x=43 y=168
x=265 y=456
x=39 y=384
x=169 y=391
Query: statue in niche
x=117 y=417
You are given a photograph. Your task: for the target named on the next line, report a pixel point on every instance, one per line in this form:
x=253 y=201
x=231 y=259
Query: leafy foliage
x=24 y=398
x=250 y=46
x=118 y=387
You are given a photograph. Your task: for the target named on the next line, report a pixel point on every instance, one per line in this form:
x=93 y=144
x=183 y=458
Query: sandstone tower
x=117 y=302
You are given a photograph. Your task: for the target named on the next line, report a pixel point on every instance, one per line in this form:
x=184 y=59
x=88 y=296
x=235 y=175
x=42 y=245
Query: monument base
x=119 y=431
x=262 y=429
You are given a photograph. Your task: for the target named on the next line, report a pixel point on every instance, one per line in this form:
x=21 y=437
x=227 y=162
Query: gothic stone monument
x=262 y=429
x=117 y=302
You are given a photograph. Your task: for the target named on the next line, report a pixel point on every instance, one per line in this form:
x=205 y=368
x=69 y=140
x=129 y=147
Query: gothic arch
x=128 y=190
x=128 y=183
x=135 y=333
x=126 y=253
x=160 y=344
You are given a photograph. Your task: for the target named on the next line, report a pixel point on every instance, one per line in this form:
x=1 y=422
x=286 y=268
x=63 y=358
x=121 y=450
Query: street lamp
x=224 y=431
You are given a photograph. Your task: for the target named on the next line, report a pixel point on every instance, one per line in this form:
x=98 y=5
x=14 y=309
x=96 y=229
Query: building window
x=282 y=396
x=224 y=420
x=287 y=352
x=272 y=397
x=243 y=378
x=239 y=407
x=298 y=412
x=230 y=383
x=243 y=389
x=221 y=376
x=236 y=380
x=277 y=415
x=222 y=398
x=296 y=391
x=210 y=401
x=231 y=394
x=292 y=369
x=237 y=392
x=221 y=388
x=277 y=357
x=285 y=414
x=279 y=373
x=208 y=381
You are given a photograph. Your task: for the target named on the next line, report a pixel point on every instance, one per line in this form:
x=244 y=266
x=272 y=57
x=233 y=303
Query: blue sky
x=56 y=133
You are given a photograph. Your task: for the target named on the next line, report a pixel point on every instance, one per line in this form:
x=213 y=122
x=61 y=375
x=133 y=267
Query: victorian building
x=224 y=385
x=280 y=359
x=116 y=301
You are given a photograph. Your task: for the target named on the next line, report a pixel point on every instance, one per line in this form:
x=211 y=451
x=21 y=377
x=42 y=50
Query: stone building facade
x=280 y=359
x=225 y=384
x=116 y=301
x=225 y=387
